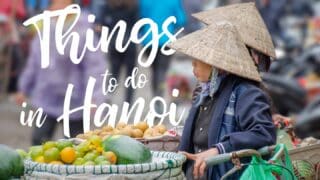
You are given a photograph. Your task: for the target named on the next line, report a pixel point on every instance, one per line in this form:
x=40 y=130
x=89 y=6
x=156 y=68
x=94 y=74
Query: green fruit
x=52 y=154
x=89 y=163
x=95 y=152
x=63 y=144
x=79 y=154
x=23 y=154
x=83 y=147
x=104 y=163
x=90 y=156
x=48 y=145
x=119 y=145
x=95 y=140
x=36 y=151
x=11 y=163
x=79 y=161
x=99 y=159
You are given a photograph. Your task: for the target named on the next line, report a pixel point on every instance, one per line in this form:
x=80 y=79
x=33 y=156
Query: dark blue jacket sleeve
x=254 y=119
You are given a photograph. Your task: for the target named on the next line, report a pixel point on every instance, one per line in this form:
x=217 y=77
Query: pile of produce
x=140 y=130
x=93 y=151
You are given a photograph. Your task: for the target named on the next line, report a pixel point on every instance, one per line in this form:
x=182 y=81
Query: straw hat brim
x=248 y=21
x=220 y=46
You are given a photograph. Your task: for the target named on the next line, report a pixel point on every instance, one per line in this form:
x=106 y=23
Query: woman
x=231 y=112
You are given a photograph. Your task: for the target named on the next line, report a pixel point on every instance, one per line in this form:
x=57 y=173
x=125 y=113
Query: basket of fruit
x=115 y=157
x=157 y=138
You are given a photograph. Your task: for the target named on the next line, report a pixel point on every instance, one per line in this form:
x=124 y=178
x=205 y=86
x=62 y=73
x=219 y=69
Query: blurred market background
x=293 y=81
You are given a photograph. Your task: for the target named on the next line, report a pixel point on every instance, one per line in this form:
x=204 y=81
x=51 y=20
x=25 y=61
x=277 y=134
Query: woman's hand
x=280 y=120
x=199 y=161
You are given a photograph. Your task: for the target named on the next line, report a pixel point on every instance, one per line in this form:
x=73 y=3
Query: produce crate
x=162 y=143
x=164 y=165
x=309 y=154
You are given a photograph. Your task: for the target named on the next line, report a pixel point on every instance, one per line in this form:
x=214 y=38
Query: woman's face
x=201 y=70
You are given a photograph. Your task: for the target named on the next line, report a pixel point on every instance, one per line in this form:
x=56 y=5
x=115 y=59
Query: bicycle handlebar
x=214 y=160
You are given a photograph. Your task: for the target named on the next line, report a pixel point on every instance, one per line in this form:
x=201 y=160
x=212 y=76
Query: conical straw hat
x=220 y=46
x=248 y=21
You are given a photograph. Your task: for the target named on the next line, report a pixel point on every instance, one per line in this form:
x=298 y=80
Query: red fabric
x=6 y=7
x=86 y=2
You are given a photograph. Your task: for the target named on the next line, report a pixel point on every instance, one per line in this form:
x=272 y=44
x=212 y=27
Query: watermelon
x=11 y=163
x=127 y=150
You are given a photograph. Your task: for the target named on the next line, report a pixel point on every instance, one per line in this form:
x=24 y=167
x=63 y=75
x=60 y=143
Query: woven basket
x=164 y=165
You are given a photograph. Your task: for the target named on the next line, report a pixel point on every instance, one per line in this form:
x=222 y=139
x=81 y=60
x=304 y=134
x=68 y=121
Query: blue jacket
x=241 y=120
x=159 y=11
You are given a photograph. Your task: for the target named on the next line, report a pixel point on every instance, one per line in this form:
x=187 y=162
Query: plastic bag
x=259 y=169
x=263 y=170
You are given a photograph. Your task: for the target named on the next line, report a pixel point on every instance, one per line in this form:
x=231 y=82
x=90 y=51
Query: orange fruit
x=127 y=131
x=121 y=125
x=107 y=128
x=137 y=133
x=68 y=155
x=148 y=132
x=110 y=156
x=161 y=128
x=142 y=126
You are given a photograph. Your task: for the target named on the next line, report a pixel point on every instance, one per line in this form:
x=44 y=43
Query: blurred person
x=14 y=12
x=114 y=11
x=159 y=11
x=3 y=54
x=13 y=7
x=36 y=6
x=46 y=88
x=96 y=7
